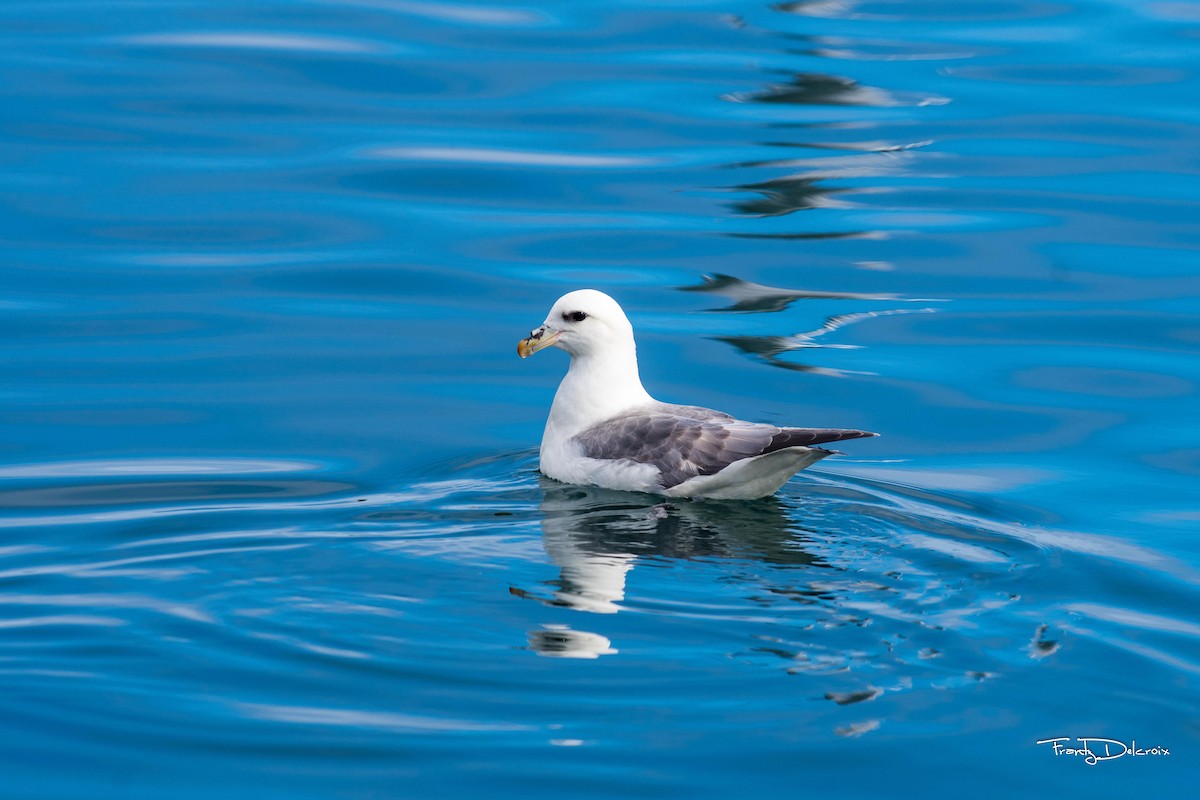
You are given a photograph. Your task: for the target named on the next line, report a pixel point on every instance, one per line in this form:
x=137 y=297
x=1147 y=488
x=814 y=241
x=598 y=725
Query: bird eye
x=574 y=316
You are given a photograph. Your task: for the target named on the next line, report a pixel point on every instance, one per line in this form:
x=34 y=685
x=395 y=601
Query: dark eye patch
x=574 y=316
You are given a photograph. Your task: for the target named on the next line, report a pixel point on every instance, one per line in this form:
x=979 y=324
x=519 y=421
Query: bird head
x=580 y=322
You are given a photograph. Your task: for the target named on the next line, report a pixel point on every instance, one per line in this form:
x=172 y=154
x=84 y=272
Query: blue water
x=271 y=520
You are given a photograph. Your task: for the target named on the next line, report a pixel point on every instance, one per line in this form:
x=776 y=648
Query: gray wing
x=691 y=412
x=686 y=441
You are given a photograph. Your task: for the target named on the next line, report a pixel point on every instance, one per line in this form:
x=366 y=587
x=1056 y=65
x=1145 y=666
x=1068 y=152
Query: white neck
x=597 y=386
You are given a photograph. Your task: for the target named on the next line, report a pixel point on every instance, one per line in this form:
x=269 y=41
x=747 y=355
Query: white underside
x=563 y=460
x=748 y=479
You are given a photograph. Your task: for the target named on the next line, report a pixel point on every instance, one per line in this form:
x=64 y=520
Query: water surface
x=271 y=516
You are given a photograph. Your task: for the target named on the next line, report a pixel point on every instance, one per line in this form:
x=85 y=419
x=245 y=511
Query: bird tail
x=809 y=437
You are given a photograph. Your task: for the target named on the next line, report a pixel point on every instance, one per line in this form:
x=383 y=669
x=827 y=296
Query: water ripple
x=926 y=12
x=100 y=600
x=259 y=40
x=480 y=155
x=365 y=718
x=459 y=13
x=157 y=467
x=269 y=495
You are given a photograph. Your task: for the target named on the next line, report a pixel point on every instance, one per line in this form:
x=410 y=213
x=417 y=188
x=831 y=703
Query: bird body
x=604 y=428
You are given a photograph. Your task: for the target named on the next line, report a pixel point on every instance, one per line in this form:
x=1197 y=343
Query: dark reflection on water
x=809 y=189
x=596 y=537
x=582 y=519
x=782 y=196
x=809 y=236
x=821 y=89
x=847 y=577
x=756 y=297
x=771 y=349
x=560 y=641
x=867 y=589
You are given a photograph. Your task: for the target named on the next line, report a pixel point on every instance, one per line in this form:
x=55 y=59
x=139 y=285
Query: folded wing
x=685 y=441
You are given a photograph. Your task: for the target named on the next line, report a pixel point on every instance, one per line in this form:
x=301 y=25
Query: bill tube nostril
x=539 y=339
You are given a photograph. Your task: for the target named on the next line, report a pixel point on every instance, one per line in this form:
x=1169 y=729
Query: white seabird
x=605 y=429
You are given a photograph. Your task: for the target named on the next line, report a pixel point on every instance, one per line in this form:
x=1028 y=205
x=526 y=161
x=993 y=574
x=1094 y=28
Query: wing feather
x=685 y=441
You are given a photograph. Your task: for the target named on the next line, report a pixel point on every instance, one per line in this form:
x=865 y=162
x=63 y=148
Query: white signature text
x=1094 y=749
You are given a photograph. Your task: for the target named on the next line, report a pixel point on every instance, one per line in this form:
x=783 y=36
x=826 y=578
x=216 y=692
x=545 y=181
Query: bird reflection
x=596 y=537
x=823 y=89
x=770 y=348
x=559 y=641
x=782 y=196
x=748 y=296
x=818 y=88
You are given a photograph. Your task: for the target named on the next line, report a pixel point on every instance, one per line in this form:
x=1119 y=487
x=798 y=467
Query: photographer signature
x=1094 y=749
